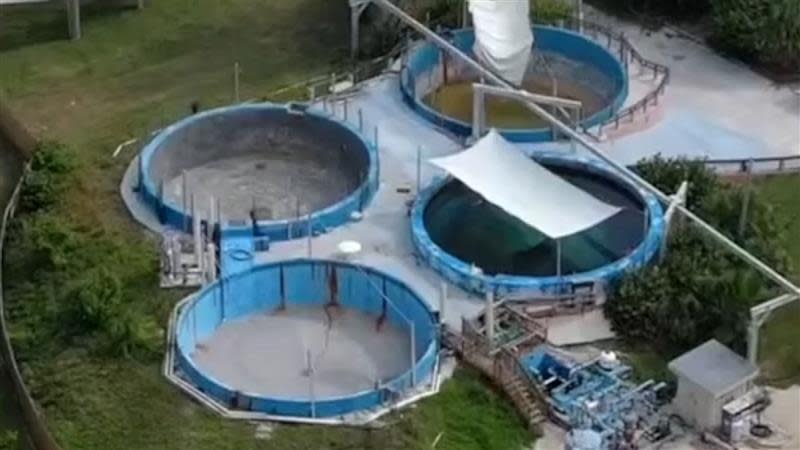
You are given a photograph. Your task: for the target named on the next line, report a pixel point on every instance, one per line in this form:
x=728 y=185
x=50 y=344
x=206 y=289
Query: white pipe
x=633 y=177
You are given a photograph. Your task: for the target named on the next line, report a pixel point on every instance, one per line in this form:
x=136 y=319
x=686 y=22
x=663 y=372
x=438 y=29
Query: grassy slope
x=136 y=71
x=780 y=358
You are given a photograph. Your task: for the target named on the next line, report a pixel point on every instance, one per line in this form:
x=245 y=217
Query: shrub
x=767 y=31
x=50 y=166
x=700 y=290
x=9 y=440
x=550 y=11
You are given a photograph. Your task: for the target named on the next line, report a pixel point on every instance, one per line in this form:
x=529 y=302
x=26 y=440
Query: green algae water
x=455 y=100
x=464 y=225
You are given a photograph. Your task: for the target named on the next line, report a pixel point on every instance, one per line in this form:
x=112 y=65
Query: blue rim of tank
x=324 y=219
x=572 y=45
x=461 y=273
x=424 y=366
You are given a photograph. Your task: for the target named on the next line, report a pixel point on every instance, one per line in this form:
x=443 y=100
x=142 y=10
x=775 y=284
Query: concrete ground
x=715 y=107
x=267 y=354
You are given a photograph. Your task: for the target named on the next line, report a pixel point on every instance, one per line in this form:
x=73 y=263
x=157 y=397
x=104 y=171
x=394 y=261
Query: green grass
x=780 y=358
x=136 y=71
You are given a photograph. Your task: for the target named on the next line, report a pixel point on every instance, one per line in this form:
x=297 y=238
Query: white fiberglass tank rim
x=503 y=36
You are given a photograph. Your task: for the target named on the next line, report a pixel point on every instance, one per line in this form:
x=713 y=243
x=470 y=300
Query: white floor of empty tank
x=266 y=354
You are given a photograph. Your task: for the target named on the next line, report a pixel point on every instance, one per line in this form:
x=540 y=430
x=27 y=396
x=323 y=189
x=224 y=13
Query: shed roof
x=713 y=367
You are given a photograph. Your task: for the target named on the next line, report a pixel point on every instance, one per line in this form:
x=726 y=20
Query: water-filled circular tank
x=307 y=338
x=563 y=63
x=480 y=247
x=258 y=163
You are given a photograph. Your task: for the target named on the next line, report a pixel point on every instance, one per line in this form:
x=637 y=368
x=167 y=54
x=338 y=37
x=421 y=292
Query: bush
x=701 y=290
x=44 y=184
x=9 y=440
x=550 y=11
x=767 y=31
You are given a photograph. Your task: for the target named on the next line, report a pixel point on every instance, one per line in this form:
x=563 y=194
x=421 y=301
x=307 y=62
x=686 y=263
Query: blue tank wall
x=337 y=214
x=425 y=58
x=304 y=282
x=460 y=273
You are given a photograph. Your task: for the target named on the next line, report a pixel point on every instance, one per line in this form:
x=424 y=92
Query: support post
x=746 y=201
x=198 y=239
x=478 y=114
x=580 y=16
x=419 y=168
x=185 y=199
x=489 y=318
x=74 y=19
x=236 y=82
x=558 y=258
x=360 y=120
x=413 y=355
x=442 y=300
x=310 y=369
x=356 y=8
x=752 y=340
x=310 y=233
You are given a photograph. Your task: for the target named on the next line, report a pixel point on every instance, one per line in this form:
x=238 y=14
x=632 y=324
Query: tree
x=701 y=290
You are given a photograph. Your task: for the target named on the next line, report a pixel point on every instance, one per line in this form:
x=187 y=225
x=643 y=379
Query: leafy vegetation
x=85 y=309
x=699 y=291
x=9 y=440
x=766 y=31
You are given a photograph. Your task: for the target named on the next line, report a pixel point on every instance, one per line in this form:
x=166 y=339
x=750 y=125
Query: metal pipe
x=413 y=355
x=633 y=177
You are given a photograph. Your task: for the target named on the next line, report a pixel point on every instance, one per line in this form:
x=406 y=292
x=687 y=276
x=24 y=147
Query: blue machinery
x=598 y=395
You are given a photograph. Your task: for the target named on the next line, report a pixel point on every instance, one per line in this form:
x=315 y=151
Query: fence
x=34 y=421
x=776 y=165
x=627 y=53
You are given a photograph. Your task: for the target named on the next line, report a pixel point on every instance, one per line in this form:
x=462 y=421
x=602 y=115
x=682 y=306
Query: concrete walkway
x=715 y=107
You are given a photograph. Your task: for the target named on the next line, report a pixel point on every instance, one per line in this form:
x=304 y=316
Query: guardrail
x=774 y=165
x=627 y=53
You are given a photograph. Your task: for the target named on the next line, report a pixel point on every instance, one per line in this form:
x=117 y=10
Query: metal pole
x=413 y=355
x=310 y=369
x=74 y=19
x=419 y=168
x=376 y=137
x=310 y=234
x=746 y=201
x=184 y=197
x=442 y=300
x=236 y=82
x=752 y=341
x=360 y=120
x=558 y=258
x=633 y=177
x=489 y=317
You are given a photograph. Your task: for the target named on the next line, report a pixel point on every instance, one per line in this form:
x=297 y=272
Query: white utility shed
x=709 y=377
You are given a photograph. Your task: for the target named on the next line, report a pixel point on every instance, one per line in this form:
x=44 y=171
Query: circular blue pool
x=258 y=166
x=481 y=248
x=307 y=339
x=564 y=63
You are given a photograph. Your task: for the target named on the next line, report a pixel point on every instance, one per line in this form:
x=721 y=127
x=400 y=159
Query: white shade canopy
x=512 y=181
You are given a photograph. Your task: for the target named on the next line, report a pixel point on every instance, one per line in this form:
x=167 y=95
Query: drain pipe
x=583 y=141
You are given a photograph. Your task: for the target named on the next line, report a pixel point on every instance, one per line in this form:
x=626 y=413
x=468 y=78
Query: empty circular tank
x=307 y=339
x=481 y=248
x=563 y=63
x=260 y=163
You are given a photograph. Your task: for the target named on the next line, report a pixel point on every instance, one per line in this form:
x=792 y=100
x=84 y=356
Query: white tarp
x=503 y=36
x=509 y=179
